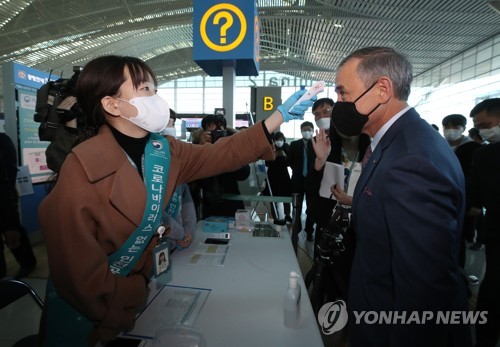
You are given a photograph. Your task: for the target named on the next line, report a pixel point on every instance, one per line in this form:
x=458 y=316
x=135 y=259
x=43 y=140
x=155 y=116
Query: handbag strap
x=156 y=168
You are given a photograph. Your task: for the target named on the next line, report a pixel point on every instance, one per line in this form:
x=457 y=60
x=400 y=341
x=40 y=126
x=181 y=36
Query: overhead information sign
x=226 y=34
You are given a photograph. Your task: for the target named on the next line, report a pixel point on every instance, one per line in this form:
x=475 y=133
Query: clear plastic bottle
x=292 y=302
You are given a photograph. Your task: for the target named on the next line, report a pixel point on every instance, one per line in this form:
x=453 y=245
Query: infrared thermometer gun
x=311 y=93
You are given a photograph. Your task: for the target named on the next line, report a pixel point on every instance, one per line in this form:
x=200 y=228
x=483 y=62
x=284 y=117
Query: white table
x=245 y=306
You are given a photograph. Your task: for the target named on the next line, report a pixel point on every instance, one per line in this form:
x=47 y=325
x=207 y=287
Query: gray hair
x=376 y=62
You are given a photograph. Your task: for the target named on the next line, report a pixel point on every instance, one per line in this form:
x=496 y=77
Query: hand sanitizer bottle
x=292 y=302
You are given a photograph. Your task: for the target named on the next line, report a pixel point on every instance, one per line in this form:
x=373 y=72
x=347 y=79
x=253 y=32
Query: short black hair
x=218 y=120
x=321 y=102
x=305 y=124
x=173 y=114
x=454 y=119
x=491 y=106
x=279 y=135
x=474 y=132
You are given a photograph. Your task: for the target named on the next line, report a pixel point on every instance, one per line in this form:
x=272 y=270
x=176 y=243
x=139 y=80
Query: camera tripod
x=326 y=272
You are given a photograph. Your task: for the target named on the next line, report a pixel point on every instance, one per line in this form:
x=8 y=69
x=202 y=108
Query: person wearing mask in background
x=463 y=146
x=300 y=161
x=278 y=177
x=347 y=151
x=170 y=128
x=407 y=210
x=102 y=220
x=485 y=193
x=183 y=220
x=12 y=233
x=214 y=127
x=474 y=135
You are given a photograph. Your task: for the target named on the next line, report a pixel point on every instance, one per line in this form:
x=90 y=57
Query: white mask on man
x=323 y=123
x=452 y=134
x=153 y=112
x=491 y=135
x=307 y=135
x=279 y=143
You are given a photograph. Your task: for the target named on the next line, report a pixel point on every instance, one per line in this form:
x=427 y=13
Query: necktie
x=304 y=168
x=366 y=157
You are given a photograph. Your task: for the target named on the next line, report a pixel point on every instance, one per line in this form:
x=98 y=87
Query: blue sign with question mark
x=226 y=33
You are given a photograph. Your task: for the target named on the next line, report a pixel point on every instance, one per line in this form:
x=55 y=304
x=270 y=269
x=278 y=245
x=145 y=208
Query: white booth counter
x=238 y=303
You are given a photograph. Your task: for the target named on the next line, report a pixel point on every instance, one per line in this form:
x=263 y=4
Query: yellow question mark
x=223 y=29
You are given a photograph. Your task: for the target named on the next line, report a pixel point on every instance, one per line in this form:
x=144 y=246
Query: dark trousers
x=299 y=187
x=23 y=254
x=468 y=230
x=479 y=229
x=309 y=228
x=487 y=335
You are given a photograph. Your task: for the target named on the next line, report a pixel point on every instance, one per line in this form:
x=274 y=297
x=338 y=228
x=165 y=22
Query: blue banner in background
x=30 y=77
x=32 y=150
x=226 y=34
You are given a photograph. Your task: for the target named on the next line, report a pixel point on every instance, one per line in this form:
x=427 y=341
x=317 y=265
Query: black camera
x=340 y=218
x=217 y=134
x=220 y=123
x=48 y=98
x=330 y=244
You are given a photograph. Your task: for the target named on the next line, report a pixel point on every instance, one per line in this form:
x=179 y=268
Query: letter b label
x=268 y=103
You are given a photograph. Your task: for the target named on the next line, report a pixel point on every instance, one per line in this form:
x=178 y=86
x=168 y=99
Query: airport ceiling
x=303 y=38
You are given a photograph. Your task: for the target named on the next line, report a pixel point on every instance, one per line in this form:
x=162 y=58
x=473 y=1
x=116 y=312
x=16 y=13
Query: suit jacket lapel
x=385 y=141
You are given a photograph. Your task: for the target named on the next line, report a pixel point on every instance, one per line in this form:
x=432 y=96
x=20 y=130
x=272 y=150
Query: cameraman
x=62 y=121
x=214 y=128
x=12 y=233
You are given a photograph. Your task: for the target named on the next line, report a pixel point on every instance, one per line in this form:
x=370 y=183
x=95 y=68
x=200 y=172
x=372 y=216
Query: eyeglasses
x=322 y=112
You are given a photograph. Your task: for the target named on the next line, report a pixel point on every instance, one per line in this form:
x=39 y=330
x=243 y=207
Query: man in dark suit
x=485 y=192
x=301 y=161
x=463 y=146
x=408 y=208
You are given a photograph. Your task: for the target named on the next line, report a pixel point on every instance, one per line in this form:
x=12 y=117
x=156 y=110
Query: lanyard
x=348 y=176
x=156 y=167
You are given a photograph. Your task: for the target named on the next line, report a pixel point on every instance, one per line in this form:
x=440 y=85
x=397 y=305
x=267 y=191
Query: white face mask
x=452 y=134
x=307 y=135
x=491 y=135
x=153 y=112
x=323 y=123
x=279 y=143
x=169 y=131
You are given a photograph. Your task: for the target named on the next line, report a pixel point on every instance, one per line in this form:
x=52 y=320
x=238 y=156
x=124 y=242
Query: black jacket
x=296 y=159
x=9 y=216
x=485 y=188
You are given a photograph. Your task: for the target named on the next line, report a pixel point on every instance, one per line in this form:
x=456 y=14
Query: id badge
x=161 y=259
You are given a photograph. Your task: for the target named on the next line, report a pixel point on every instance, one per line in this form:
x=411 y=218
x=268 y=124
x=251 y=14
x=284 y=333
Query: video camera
x=330 y=244
x=49 y=96
x=220 y=122
x=217 y=134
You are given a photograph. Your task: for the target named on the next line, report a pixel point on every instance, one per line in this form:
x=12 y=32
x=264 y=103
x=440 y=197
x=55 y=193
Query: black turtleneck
x=134 y=147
